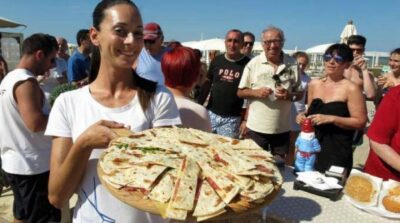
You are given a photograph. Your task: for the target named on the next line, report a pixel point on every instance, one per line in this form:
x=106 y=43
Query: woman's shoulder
x=162 y=90
x=394 y=92
x=315 y=82
x=351 y=86
x=189 y=104
x=72 y=96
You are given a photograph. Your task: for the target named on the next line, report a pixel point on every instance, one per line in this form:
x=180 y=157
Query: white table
x=300 y=206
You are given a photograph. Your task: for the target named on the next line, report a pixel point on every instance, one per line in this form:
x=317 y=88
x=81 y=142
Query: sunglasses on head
x=149 y=41
x=338 y=59
x=249 y=43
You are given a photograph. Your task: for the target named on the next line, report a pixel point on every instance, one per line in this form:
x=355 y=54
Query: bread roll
x=360 y=188
x=392 y=203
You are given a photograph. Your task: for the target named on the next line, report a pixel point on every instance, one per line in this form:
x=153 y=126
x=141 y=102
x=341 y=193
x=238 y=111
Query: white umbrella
x=190 y=44
x=210 y=44
x=6 y=23
x=348 y=31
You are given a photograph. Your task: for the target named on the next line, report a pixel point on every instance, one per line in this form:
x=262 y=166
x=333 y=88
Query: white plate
x=377 y=208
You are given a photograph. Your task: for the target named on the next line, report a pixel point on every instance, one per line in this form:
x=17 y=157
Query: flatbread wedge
x=209 y=202
x=186 y=185
x=224 y=187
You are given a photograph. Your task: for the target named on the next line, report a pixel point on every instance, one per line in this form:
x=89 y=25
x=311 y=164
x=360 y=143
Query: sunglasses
x=338 y=59
x=273 y=41
x=249 y=43
x=149 y=41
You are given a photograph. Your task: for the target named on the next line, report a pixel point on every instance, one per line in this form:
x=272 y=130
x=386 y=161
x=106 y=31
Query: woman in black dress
x=336 y=107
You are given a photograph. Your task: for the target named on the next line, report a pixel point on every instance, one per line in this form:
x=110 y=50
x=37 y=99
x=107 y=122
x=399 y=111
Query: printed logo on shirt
x=2 y=92
x=228 y=75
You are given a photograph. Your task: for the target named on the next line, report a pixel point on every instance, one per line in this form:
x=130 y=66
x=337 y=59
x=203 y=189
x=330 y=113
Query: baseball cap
x=152 y=31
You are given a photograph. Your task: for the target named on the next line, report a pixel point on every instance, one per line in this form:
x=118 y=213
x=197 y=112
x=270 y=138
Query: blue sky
x=306 y=22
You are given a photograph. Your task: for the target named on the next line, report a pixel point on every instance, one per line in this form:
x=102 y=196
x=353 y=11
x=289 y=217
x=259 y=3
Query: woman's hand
x=98 y=135
x=319 y=119
x=300 y=117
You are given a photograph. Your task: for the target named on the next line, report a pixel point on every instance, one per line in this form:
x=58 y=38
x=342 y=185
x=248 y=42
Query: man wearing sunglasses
x=271 y=82
x=248 y=44
x=149 y=61
x=358 y=72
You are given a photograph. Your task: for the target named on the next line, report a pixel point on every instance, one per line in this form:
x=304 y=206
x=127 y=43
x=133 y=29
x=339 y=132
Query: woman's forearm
x=65 y=176
x=349 y=122
x=386 y=153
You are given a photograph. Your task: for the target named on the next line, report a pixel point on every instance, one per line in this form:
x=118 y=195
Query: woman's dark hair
x=342 y=50
x=144 y=87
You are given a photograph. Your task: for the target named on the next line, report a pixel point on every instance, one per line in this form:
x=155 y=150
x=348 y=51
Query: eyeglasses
x=149 y=41
x=338 y=59
x=249 y=43
x=273 y=41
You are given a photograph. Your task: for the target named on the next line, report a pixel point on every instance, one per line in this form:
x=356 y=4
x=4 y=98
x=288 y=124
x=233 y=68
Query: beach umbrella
x=210 y=44
x=190 y=44
x=6 y=23
x=348 y=30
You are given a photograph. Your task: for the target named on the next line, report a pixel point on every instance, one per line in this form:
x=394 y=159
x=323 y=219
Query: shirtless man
x=358 y=72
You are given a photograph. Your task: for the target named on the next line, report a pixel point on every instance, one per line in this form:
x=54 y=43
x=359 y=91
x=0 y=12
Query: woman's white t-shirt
x=73 y=112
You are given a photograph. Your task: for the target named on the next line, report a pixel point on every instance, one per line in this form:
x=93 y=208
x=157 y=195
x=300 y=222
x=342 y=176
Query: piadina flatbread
x=187 y=173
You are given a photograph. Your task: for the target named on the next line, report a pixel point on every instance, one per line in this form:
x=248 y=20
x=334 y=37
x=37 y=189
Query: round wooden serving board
x=136 y=200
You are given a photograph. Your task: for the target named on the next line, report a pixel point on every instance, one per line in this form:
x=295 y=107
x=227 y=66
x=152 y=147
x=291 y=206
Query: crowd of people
x=128 y=78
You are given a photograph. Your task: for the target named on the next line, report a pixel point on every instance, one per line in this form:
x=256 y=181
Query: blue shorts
x=225 y=125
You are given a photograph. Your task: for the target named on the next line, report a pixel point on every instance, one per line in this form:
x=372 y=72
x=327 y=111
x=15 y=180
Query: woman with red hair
x=181 y=68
